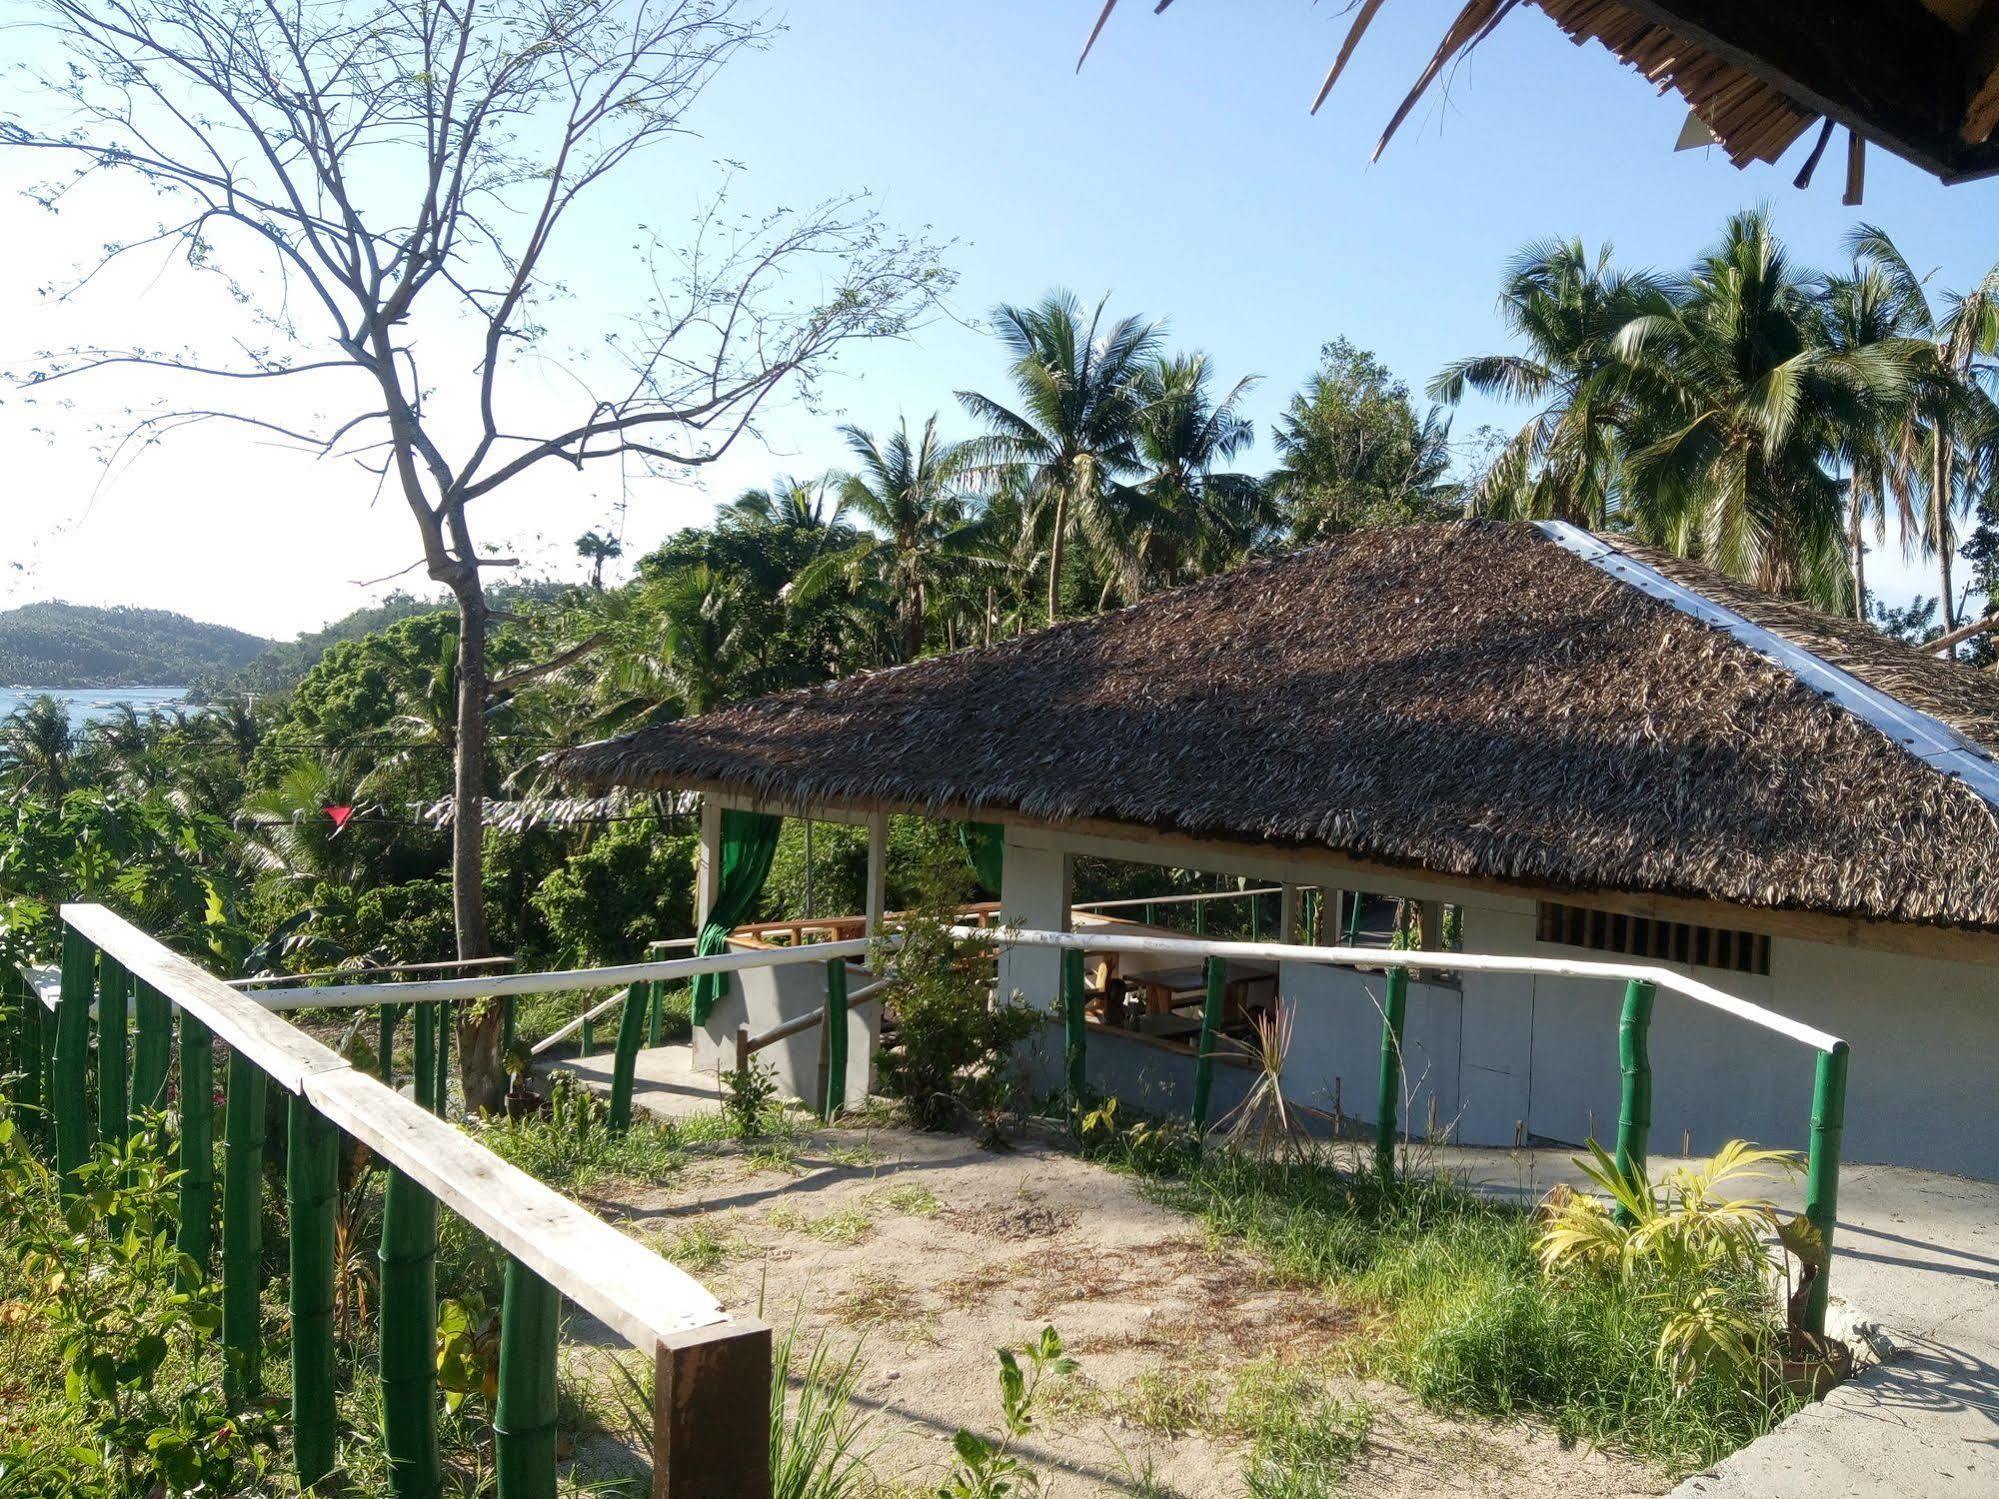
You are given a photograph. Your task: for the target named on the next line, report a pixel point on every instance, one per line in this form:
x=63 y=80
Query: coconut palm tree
x=1073 y=430
x=1741 y=397
x=907 y=491
x=38 y=748
x=1948 y=426
x=1200 y=521
x=599 y=549
x=1568 y=307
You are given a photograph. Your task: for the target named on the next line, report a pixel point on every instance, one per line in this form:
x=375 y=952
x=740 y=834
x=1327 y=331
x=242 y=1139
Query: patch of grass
x=875 y=1300
x=855 y=1157
x=575 y=1155
x=847 y=1225
x=1301 y=1437
x=1168 y=1403
x=913 y=1201
x=701 y=1247
x=1464 y=1316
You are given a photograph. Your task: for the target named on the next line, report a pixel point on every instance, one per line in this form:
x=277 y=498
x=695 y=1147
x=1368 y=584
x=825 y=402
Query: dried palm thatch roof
x=1918 y=77
x=1471 y=699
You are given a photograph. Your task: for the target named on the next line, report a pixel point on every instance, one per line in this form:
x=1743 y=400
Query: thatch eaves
x=1469 y=699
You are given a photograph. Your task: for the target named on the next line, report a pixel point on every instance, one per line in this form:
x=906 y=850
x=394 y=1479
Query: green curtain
x=749 y=840
x=985 y=846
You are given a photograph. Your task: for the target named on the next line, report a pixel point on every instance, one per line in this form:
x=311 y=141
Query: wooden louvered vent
x=1661 y=941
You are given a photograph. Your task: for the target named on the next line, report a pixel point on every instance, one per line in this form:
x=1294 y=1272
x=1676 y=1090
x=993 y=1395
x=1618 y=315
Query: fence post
x=1394 y=1010
x=194 y=1235
x=152 y=1047
x=242 y=1232
x=423 y=1061
x=833 y=1038
x=29 y=1096
x=407 y=1338
x=71 y=1091
x=655 y=1011
x=1822 y=1171
x=586 y=1036
x=625 y=1060
x=440 y=1091
x=1075 y=1032
x=1634 y=1114
x=312 y=1183
x=524 y=1413
x=711 y=1414
x=114 y=990
x=743 y=1049
x=1211 y=1030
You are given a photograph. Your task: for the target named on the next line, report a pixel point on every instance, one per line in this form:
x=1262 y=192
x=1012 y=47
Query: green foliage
x=1301 y=1438
x=79 y=645
x=569 y=1143
x=749 y=1100
x=631 y=884
x=94 y=1287
x=986 y=1468
x=818 y=1446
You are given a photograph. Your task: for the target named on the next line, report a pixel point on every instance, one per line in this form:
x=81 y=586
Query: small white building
x=1585 y=747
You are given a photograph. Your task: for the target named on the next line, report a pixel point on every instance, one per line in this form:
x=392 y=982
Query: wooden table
x=1166 y=989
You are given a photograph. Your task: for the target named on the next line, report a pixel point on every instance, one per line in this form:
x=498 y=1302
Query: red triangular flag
x=340 y=816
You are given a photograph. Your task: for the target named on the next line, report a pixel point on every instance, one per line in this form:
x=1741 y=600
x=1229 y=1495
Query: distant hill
x=279 y=668
x=79 y=645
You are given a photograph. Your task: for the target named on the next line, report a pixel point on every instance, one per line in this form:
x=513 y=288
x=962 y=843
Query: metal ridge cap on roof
x=1922 y=735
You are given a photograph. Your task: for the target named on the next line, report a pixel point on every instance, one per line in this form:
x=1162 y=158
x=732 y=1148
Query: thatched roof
x=1918 y=77
x=1472 y=699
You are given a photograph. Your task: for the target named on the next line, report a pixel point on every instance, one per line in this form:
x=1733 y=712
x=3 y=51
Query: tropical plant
x=1352 y=452
x=1567 y=307
x=1072 y=433
x=1199 y=521
x=38 y=748
x=986 y=1468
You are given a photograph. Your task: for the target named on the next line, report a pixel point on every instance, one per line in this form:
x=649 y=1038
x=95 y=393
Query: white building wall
x=1539 y=1055
x=1036 y=895
x=767 y=997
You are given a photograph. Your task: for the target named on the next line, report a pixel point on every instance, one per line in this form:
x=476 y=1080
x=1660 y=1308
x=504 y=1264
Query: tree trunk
x=480 y=1024
x=1940 y=528
x=1055 y=555
x=1859 y=562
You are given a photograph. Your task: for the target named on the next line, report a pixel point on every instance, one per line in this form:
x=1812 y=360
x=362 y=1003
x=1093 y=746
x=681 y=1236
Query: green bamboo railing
x=833 y=1034
x=1634 y=1063
x=324 y=1097
x=114 y=1100
x=1211 y=1031
x=1388 y=1098
x=625 y=1055
x=1822 y=1171
x=1075 y=1033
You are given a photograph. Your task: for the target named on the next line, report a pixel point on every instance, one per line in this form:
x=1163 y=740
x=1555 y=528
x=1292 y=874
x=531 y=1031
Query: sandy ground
x=930 y=1252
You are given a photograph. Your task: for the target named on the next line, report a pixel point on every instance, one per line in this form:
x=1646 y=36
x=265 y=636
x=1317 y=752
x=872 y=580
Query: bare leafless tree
x=359 y=169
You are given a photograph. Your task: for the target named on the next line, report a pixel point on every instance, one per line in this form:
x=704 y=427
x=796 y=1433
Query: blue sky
x=1178 y=172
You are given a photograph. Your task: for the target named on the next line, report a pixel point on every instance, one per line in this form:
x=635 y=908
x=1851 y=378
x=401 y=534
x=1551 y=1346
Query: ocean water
x=87 y=704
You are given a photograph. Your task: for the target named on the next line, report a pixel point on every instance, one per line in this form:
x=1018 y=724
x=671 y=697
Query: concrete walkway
x=1916 y=1255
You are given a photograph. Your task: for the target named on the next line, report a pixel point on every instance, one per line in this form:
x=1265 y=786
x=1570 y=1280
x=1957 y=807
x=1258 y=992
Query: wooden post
x=387 y=1017
x=407 y=1339
x=524 y=1413
x=312 y=1183
x=712 y=1392
x=833 y=1041
x=877 y=891
x=114 y=998
x=1287 y=914
x=152 y=1048
x=242 y=1233
x=743 y=1049
x=625 y=1058
x=71 y=1091
x=1394 y=1010
x=1211 y=1029
x=1634 y=1114
x=1822 y=1171
x=194 y=1236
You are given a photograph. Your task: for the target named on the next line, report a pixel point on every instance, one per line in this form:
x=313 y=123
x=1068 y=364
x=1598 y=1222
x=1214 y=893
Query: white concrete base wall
x=1335 y=1056
x=767 y=997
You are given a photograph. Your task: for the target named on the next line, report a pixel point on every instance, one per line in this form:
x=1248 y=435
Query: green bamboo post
x=1353 y=919
x=312 y=1183
x=1256 y=918
x=509 y=1022
x=242 y=1232
x=1394 y=1011
x=440 y=1091
x=114 y=1105
x=656 y=1006
x=194 y=1237
x=1075 y=1031
x=524 y=1414
x=586 y=1038
x=70 y=1095
x=835 y=1032
x=152 y=1047
x=30 y=1094
x=1211 y=1030
x=1634 y=1112
x=387 y=1019
x=408 y=1338
x=1822 y=1172
x=1200 y=918
x=423 y=1064
x=625 y=1059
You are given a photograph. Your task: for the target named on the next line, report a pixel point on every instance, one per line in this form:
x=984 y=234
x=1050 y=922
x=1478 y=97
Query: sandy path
x=931 y=1252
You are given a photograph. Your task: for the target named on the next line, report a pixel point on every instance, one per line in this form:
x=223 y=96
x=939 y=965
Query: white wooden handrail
x=1177 y=900
x=1395 y=957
